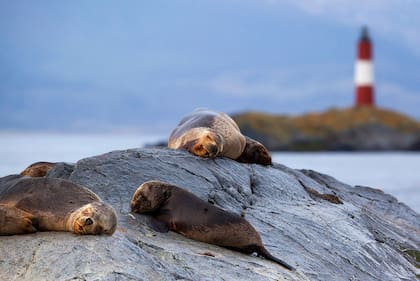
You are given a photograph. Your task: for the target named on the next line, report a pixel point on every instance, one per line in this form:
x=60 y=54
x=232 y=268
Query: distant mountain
x=356 y=128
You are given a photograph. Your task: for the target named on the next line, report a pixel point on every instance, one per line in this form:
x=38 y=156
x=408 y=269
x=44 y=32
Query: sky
x=95 y=66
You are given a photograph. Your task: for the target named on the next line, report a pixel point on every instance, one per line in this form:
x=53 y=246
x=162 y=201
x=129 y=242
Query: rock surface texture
x=354 y=233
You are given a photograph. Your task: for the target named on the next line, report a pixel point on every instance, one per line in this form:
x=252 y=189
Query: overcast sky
x=142 y=65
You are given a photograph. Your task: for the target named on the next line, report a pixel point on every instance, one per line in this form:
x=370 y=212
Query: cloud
x=391 y=19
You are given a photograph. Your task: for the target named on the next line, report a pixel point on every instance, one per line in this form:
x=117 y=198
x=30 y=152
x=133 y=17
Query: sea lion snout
x=149 y=196
x=263 y=157
x=209 y=145
x=211 y=150
x=94 y=218
x=140 y=203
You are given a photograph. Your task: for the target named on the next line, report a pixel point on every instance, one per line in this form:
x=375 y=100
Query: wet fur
x=55 y=205
x=181 y=211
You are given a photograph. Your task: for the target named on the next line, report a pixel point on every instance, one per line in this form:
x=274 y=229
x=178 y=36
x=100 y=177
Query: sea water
x=397 y=173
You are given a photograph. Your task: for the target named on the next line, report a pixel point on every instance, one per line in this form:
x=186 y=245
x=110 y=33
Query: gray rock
x=370 y=236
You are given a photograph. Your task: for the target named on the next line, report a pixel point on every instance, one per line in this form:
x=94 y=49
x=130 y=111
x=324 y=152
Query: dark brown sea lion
x=38 y=169
x=50 y=204
x=255 y=152
x=176 y=209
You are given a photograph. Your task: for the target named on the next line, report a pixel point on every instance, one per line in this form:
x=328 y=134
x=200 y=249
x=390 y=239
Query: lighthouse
x=364 y=71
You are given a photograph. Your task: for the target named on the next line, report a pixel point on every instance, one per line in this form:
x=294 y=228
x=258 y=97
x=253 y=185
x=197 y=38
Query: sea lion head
x=149 y=196
x=207 y=144
x=255 y=152
x=93 y=218
x=38 y=169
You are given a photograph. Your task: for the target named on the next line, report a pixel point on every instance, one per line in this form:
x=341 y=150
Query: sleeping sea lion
x=50 y=204
x=176 y=209
x=209 y=134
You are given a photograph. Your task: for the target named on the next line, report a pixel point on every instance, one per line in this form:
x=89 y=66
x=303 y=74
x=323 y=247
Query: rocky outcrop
x=326 y=229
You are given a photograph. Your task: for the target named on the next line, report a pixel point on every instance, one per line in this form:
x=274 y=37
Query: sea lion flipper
x=159 y=226
x=15 y=221
x=263 y=252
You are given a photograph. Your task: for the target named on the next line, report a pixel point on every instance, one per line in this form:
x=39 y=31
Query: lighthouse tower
x=364 y=71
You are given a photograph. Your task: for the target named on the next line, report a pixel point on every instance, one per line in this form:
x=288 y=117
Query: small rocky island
x=328 y=230
x=360 y=128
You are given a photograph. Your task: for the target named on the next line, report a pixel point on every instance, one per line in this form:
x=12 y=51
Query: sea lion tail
x=263 y=252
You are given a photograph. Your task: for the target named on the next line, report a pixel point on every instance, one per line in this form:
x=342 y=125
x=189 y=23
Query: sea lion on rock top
x=38 y=169
x=51 y=204
x=176 y=209
x=208 y=134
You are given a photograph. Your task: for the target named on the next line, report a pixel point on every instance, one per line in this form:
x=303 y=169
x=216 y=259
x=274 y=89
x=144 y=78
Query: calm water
x=394 y=172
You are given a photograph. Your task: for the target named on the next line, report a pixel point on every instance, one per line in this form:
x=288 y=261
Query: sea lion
x=255 y=152
x=38 y=169
x=176 y=209
x=50 y=204
x=209 y=134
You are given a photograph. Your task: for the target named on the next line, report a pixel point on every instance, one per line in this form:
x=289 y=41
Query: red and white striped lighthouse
x=364 y=71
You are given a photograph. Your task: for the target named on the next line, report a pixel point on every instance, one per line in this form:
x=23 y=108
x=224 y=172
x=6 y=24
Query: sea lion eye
x=88 y=221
